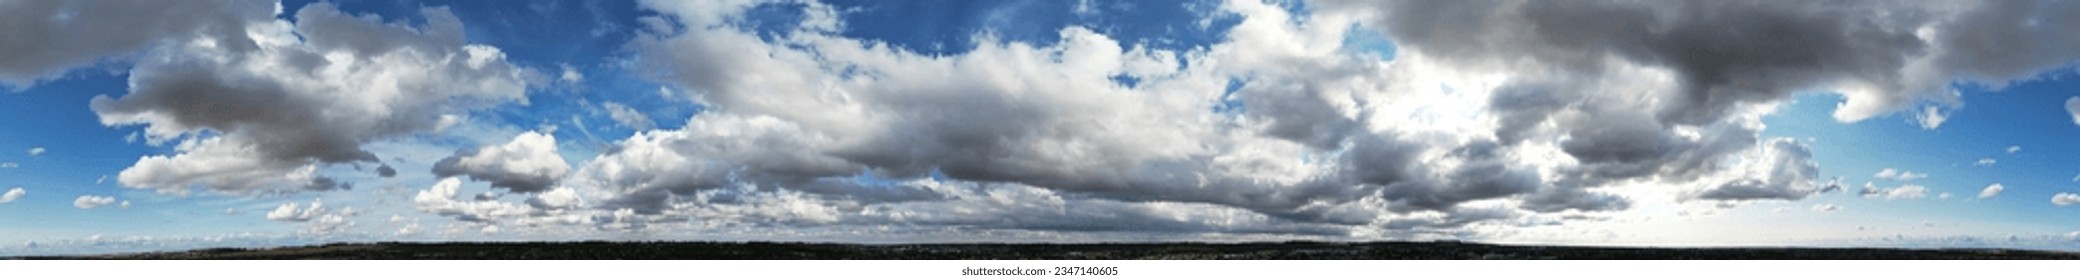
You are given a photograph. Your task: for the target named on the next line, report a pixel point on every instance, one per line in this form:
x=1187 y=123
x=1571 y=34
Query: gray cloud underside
x=1489 y=114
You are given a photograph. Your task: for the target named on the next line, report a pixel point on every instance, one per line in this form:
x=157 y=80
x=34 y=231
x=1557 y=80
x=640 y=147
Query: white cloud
x=628 y=117
x=2073 y=108
x=1890 y=174
x=1991 y=190
x=1040 y=137
x=1943 y=196
x=1322 y=138
x=37 y=151
x=440 y=199
x=2014 y=149
x=2065 y=199
x=9 y=165
x=1984 y=162
x=91 y=202
x=1930 y=118
x=1908 y=191
x=571 y=75
x=317 y=219
x=527 y=164
x=300 y=95
x=296 y=212
x=12 y=195
x=1827 y=207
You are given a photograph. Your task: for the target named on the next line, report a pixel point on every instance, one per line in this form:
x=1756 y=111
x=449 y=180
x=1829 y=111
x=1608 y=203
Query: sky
x=129 y=126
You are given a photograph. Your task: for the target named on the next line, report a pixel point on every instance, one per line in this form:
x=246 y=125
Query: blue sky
x=1038 y=121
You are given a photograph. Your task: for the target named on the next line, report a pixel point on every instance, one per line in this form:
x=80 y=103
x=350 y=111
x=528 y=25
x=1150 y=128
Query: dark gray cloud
x=291 y=102
x=320 y=183
x=1723 y=53
x=46 y=38
x=1883 y=55
x=1999 y=41
x=385 y=171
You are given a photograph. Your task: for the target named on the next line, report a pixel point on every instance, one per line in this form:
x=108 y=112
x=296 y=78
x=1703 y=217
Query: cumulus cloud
x=1488 y=116
x=52 y=37
x=1991 y=190
x=1321 y=137
x=91 y=201
x=296 y=212
x=12 y=195
x=1931 y=117
x=441 y=199
x=1881 y=56
x=1890 y=174
x=283 y=98
x=2073 y=108
x=1908 y=191
x=527 y=164
x=317 y=219
x=1782 y=169
x=2065 y=199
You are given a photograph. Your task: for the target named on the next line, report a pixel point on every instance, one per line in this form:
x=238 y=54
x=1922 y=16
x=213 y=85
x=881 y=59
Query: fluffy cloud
x=1881 y=56
x=295 y=212
x=2065 y=199
x=2073 y=108
x=51 y=37
x=1276 y=128
x=1889 y=174
x=255 y=110
x=12 y=194
x=1931 y=117
x=2014 y=149
x=318 y=219
x=1908 y=191
x=527 y=164
x=1782 y=169
x=37 y=151
x=1320 y=136
x=91 y=202
x=547 y=207
x=1991 y=190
